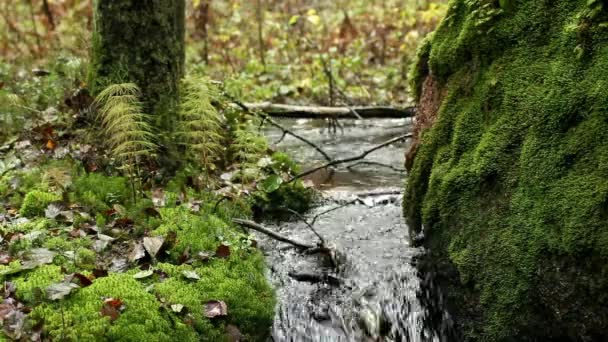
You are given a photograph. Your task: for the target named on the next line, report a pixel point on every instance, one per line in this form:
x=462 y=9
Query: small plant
x=126 y=128
x=199 y=128
x=35 y=202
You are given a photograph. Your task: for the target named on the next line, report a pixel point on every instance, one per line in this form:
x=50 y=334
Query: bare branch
x=352 y=159
x=268 y=232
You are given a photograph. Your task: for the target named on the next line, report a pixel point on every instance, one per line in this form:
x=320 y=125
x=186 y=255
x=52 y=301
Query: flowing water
x=373 y=293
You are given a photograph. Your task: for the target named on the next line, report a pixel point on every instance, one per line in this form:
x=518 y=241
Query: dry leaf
x=137 y=252
x=222 y=251
x=191 y=275
x=153 y=245
x=215 y=308
x=112 y=308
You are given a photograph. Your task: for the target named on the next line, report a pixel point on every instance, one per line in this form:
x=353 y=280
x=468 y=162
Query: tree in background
x=141 y=42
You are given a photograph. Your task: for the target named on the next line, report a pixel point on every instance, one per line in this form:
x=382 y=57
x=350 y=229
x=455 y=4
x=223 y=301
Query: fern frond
x=200 y=125
x=125 y=127
x=124 y=124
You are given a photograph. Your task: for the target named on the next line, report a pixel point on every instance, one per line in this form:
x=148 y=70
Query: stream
x=377 y=298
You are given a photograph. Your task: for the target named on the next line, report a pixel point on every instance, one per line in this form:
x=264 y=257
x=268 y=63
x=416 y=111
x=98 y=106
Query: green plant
x=126 y=128
x=199 y=128
x=36 y=201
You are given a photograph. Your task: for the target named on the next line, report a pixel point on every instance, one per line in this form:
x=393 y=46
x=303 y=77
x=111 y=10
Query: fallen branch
x=274 y=235
x=396 y=169
x=351 y=159
x=320 y=112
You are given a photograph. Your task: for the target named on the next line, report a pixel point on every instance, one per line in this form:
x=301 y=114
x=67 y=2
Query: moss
x=510 y=182
x=238 y=282
x=36 y=201
x=32 y=284
x=198 y=233
x=100 y=192
x=141 y=320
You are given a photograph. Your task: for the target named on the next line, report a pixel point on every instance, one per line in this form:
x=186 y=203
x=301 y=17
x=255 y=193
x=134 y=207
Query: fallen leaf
x=119 y=265
x=191 y=275
x=52 y=211
x=143 y=274
x=59 y=291
x=215 y=308
x=203 y=256
x=5 y=258
x=222 y=251
x=177 y=308
x=153 y=245
x=39 y=256
x=111 y=308
x=50 y=145
x=158 y=198
x=84 y=281
x=137 y=252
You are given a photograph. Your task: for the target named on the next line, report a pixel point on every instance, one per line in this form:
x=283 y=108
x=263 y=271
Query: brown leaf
x=100 y=273
x=84 y=281
x=215 y=308
x=108 y=311
x=50 y=145
x=222 y=251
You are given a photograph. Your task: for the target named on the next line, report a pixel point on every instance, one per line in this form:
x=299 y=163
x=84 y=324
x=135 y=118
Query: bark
x=140 y=41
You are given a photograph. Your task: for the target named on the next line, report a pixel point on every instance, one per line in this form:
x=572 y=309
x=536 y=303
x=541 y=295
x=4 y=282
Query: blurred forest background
x=271 y=50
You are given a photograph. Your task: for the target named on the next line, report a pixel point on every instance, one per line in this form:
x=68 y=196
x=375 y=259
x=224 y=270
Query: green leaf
x=272 y=183
x=294 y=20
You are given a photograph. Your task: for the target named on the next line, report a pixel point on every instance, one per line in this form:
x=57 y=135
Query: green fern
x=247 y=149
x=200 y=126
x=126 y=128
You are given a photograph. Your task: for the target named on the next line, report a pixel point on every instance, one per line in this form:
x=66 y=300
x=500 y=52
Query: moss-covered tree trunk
x=140 y=41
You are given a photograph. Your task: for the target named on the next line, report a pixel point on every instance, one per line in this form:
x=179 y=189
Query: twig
x=277 y=125
x=310 y=225
x=274 y=235
x=281 y=138
x=396 y=169
x=351 y=159
x=314 y=219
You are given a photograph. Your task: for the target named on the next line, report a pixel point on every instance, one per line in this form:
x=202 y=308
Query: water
x=376 y=298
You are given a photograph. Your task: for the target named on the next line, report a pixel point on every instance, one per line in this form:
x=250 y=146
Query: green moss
x=141 y=320
x=32 y=284
x=36 y=201
x=194 y=232
x=100 y=192
x=510 y=183
x=238 y=282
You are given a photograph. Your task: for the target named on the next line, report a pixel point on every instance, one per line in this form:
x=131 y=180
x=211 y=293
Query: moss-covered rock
x=511 y=182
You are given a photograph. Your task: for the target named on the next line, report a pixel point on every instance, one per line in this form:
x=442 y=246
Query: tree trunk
x=140 y=41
